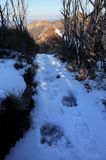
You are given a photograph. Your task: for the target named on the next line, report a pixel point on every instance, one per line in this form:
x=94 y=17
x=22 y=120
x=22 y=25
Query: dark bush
x=14 y=121
x=21 y=41
x=29 y=74
x=12 y=102
x=3 y=54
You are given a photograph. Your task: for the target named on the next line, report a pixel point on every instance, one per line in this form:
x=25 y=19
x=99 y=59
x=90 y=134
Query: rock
x=18 y=65
x=88 y=87
x=104 y=102
x=58 y=76
x=30 y=61
x=105 y=69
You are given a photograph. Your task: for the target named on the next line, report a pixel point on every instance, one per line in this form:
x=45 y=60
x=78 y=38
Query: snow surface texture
x=10 y=79
x=63 y=129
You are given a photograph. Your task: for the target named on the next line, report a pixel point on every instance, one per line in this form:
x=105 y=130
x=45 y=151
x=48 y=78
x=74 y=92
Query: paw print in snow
x=69 y=101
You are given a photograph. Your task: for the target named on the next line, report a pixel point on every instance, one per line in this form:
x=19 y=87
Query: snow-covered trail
x=80 y=120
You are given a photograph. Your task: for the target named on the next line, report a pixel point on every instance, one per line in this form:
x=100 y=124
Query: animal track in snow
x=53 y=93
x=47 y=73
x=49 y=79
x=69 y=101
x=81 y=131
x=61 y=112
x=90 y=148
x=76 y=114
x=83 y=138
x=50 y=134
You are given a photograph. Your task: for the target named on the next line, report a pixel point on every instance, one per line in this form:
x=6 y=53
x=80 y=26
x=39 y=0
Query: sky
x=44 y=9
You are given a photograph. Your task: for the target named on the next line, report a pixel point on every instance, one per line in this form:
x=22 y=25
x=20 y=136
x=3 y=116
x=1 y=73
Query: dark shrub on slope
x=14 y=121
x=17 y=40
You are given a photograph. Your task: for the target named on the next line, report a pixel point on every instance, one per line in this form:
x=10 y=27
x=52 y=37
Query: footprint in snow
x=69 y=101
x=49 y=79
x=47 y=73
x=81 y=131
x=83 y=138
x=91 y=149
x=50 y=134
x=61 y=112
x=53 y=93
x=76 y=113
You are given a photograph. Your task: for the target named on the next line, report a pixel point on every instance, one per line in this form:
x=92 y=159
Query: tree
x=19 y=15
x=83 y=30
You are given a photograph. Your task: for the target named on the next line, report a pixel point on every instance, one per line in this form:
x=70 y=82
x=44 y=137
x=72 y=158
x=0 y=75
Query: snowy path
x=63 y=102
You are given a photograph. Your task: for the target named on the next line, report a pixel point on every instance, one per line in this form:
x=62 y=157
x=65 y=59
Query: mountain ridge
x=38 y=27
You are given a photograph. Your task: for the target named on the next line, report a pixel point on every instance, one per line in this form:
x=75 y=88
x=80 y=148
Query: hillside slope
x=47 y=34
x=37 y=28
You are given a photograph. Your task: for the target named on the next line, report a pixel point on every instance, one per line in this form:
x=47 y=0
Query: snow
x=58 y=32
x=10 y=78
x=83 y=126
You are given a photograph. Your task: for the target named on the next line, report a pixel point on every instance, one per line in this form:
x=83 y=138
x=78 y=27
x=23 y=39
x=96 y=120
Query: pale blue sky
x=44 y=9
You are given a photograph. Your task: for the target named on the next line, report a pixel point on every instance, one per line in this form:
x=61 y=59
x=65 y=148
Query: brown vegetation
x=84 y=34
x=49 y=39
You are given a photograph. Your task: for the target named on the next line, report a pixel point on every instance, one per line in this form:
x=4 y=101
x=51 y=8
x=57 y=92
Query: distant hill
x=38 y=28
x=47 y=33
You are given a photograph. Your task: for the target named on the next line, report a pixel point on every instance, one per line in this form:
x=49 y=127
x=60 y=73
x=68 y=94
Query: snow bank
x=10 y=78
